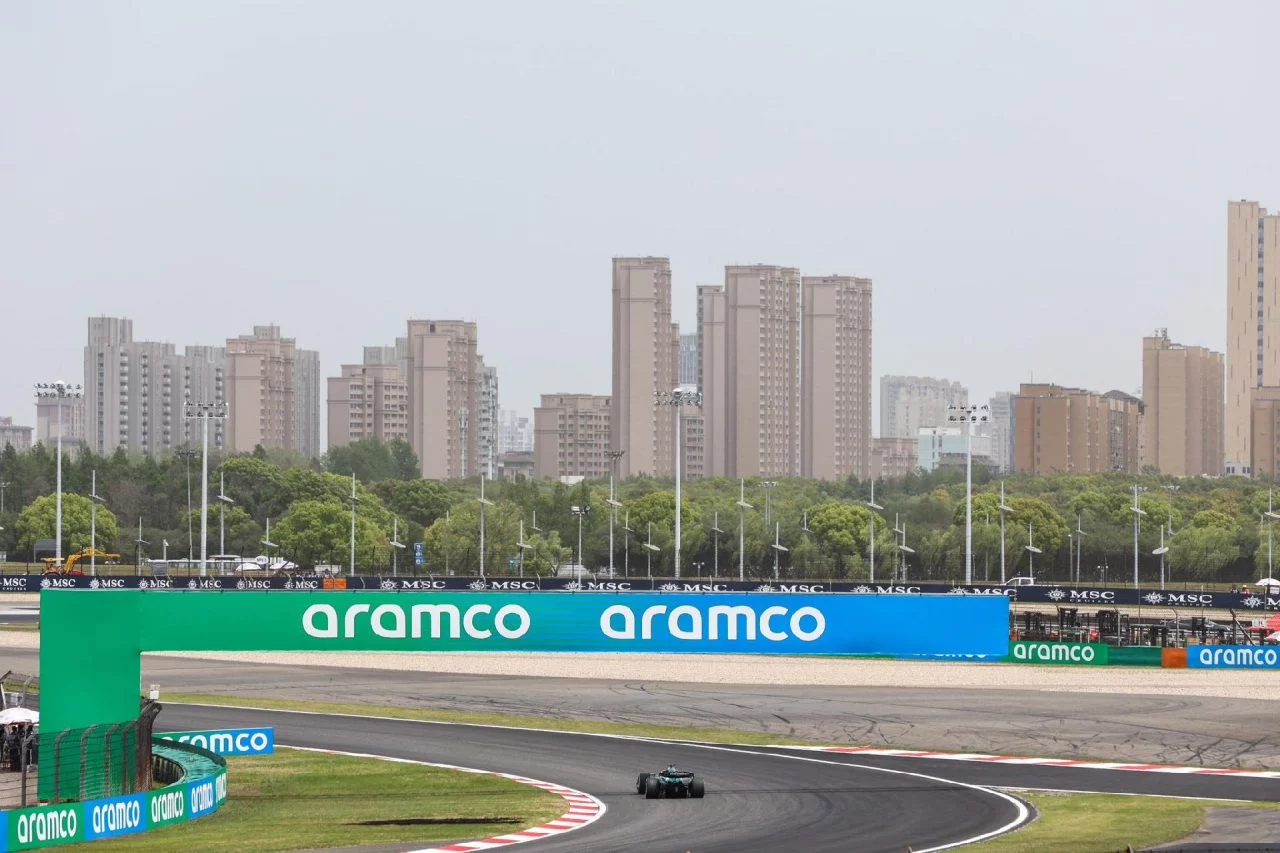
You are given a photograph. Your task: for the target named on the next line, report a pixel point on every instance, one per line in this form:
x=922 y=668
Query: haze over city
x=1031 y=191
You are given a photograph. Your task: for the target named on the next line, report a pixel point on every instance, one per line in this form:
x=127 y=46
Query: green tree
x=1202 y=552
x=39 y=521
x=320 y=531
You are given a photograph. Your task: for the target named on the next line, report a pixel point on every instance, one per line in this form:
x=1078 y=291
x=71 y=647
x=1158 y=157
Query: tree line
x=1215 y=529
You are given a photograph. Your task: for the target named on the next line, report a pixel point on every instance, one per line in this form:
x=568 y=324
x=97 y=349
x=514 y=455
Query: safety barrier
x=196 y=786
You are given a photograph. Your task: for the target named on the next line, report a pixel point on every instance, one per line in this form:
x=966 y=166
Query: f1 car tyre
x=697 y=789
x=640 y=781
x=652 y=790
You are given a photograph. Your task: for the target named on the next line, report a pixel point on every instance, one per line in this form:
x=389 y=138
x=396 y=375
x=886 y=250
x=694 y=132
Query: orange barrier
x=1173 y=658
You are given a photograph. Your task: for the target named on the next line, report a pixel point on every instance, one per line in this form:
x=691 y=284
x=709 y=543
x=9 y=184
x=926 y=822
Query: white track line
x=1024 y=814
x=584 y=809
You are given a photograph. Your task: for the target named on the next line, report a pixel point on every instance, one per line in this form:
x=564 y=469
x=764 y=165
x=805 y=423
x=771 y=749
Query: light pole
x=266 y=540
x=484 y=502
x=1164 y=549
x=1032 y=550
x=970 y=416
x=354 y=499
x=94 y=500
x=1004 y=507
x=872 y=506
x=137 y=545
x=715 y=533
x=204 y=412
x=614 y=503
x=397 y=546
x=522 y=545
x=187 y=454
x=1071 y=555
x=1080 y=534
x=58 y=391
x=223 y=502
x=778 y=547
x=581 y=512
x=903 y=550
x=649 y=548
x=768 y=486
x=743 y=506
x=676 y=398
x=627 y=533
x=3 y=486
x=1138 y=513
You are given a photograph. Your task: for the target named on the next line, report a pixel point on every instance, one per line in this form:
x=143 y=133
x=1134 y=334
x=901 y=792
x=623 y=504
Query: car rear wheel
x=697 y=790
x=651 y=789
x=640 y=781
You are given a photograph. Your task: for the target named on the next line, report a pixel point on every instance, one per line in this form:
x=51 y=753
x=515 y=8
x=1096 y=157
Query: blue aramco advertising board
x=1233 y=657
x=645 y=622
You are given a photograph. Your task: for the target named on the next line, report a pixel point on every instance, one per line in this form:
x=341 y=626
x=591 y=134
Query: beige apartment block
x=273 y=393
x=73 y=421
x=1060 y=430
x=572 y=436
x=134 y=393
x=762 y=371
x=908 y=403
x=893 y=458
x=1253 y=321
x=367 y=401
x=1264 y=438
x=1182 y=395
x=444 y=406
x=14 y=435
x=693 y=461
x=835 y=415
x=646 y=355
x=711 y=376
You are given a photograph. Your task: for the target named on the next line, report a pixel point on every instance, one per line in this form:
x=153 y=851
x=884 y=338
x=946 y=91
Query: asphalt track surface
x=756 y=801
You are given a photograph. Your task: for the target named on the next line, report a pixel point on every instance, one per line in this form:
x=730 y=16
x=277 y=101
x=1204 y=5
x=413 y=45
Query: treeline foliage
x=1215 y=529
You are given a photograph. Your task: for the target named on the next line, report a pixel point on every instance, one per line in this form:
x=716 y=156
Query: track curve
x=756 y=800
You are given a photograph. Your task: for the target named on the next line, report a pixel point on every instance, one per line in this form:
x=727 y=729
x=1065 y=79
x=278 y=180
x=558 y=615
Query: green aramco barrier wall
x=91 y=641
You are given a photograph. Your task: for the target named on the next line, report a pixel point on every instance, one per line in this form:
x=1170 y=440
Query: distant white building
x=945 y=447
x=1002 y=429
x=487 y=449
x=908 y=403
x=515 y=433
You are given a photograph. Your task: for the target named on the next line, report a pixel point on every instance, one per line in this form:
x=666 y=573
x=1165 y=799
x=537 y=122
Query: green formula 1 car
x=670 y=783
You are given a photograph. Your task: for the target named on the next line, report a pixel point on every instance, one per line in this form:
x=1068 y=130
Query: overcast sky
x=1031 y=189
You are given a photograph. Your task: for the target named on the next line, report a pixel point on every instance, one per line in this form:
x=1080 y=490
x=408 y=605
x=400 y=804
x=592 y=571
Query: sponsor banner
x=202 y=797
x=1233 y=657
x=166 y=806
x=228 y=741
x=116 y=816
x=641 y=622
x=45 y=826
x=1083 y=654
x=1068 y=596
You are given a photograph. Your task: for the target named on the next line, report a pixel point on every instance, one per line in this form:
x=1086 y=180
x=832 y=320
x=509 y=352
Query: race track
x=755 y=801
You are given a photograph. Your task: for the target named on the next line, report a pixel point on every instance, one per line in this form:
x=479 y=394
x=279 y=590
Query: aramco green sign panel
x=91 y=640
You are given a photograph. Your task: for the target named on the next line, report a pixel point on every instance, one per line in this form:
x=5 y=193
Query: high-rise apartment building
x=693 y=444
x=273 y=393
x=73 y=428
x=835 y=376
x=515 y=434
x=572 y=436
x=367 y=401
x=762 y=371
x=14 y=435
x=134 y=392
x=487 y=410
x=1264 y=439
x=645 y=362
x=1001 y=420
x=711 y=377
x=1182 y=395
x=444 y=410
x=1061 y=430
x=688 y=359
x=949 y=446
x=1253 y=322
x=910 y=402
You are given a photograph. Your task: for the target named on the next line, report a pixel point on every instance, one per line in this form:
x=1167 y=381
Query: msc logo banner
x=228 y=741
x=1233 y=657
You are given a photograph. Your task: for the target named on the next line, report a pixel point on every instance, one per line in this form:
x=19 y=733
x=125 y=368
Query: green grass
x=1099 y=823
x=513 y=720
x=302 y=800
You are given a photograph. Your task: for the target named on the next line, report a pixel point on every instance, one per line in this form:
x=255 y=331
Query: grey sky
x=1031 y=188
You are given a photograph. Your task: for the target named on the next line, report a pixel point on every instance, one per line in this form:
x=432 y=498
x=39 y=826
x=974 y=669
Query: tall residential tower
x=645 y=362
x=836 y=378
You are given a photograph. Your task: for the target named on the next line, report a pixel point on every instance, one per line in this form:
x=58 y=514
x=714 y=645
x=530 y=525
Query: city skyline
x=235 y=203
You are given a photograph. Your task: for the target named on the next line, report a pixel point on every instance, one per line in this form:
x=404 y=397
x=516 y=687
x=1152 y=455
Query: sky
x=1032 y=187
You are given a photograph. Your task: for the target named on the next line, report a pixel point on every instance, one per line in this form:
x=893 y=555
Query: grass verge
x=513 y=720
x=1099 y=823
x=303 y=800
